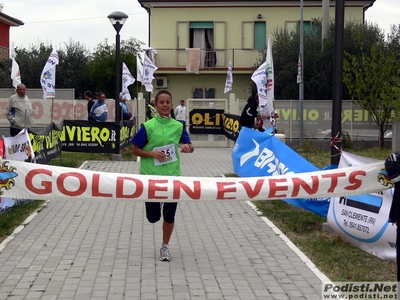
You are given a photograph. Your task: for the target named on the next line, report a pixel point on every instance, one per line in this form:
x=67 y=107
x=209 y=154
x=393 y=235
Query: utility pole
x=301 y=75
x=336 y=129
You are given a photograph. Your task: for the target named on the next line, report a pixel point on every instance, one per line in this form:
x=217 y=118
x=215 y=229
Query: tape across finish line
x=45 y=182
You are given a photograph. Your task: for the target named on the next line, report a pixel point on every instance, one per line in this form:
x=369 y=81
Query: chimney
x=1 y=7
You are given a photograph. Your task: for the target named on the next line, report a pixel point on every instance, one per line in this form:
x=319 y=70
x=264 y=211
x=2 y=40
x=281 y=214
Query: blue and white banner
x=262 y=154
x=148 y=70
x=127 y=80
x=363 y=219
x=48 y=76
x=229 y=79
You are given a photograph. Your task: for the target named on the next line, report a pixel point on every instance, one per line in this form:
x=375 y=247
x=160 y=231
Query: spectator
x=19 y=110
x=151 y=110
x=157 y=143
x=99 y=109
x=249 y=113
x=126 y=114
x=89 y=97
x=180 y=112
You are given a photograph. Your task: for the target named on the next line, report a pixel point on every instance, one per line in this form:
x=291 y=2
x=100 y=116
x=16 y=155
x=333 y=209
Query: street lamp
x=117 y=19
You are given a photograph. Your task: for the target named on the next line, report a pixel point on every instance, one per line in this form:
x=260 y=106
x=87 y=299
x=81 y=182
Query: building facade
x=196 y=40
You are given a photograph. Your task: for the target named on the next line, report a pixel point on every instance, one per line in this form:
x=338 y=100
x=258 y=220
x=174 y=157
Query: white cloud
x=384 y=13
x=86 y=22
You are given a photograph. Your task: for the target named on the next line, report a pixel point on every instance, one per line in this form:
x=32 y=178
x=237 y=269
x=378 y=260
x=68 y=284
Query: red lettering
x=47 y=187
x=80 y=111
x=194 y=194
x=57 y=112
x=3 y=109
x=37 y=110
x=154 y=187
x=298 y=182
x=355 y=183
x=252 y=192
x=274 y=188
x=95 y=187
x=334 y=180
x=223 y=188
x=67 y=108
x=81 y=187
x=120 y=187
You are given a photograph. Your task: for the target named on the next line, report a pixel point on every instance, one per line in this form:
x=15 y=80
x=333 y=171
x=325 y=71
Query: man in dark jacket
x=249 y=113
x=392 y=166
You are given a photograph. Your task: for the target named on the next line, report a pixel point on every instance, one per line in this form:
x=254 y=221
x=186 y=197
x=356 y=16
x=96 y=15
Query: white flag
x=229 y=79
x=48 y=76
x=127 y=80
x=139 y=68
x=15 y=74
x=149 y=69
x=263 y=77
x=270 y=81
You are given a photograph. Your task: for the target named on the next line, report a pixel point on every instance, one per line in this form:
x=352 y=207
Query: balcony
x=214 y=60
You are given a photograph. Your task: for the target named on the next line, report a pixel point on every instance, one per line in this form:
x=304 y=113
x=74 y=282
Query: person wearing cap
x=180 y=112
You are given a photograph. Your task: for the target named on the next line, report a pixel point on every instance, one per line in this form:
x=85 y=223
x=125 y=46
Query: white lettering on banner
x=51 y=182
x=268 y=158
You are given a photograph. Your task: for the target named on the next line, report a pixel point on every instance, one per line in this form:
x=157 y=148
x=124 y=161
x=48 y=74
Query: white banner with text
x=33 y=181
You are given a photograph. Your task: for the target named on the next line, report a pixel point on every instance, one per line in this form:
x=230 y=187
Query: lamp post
x=117 y=19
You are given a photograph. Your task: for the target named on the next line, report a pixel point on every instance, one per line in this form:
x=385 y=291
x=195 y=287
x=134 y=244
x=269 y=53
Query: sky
x=84 y=21
x=58 y=22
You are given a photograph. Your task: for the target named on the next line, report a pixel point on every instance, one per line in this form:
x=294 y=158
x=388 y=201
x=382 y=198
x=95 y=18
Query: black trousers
x=153 y=211
x=14 y=131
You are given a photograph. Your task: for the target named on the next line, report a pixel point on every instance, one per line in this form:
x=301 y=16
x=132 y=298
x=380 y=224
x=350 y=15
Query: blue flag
x=262 y=154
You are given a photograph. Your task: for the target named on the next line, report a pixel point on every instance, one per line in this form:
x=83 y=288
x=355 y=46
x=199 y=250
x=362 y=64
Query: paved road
x=106 y=249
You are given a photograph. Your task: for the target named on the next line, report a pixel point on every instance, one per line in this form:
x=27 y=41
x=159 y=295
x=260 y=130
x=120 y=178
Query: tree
x=373 y=78
x=72 y=71
x=318 y=59
x=102 y=65
x=31 y=63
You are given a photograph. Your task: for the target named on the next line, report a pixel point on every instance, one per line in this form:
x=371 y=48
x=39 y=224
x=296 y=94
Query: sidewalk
x=108 y=250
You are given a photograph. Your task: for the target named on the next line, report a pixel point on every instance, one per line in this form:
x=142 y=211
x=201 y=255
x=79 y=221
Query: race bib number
x=170 y=154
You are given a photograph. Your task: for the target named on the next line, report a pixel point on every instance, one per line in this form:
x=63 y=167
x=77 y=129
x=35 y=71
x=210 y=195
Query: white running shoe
x=164 y=253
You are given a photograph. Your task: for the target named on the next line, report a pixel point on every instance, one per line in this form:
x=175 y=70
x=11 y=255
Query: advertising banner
x=206 y=121
x=96 y=137
x=31 y=181
x=46 y=142
x=363 y=219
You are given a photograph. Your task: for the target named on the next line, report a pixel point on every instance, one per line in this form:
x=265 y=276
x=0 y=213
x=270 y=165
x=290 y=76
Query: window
x=254 y=35
x=208 y=36
x=202 y=36
x=204 y=93
x=310 y=27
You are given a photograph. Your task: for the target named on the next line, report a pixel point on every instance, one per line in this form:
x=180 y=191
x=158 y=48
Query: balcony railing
x=209 y=59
